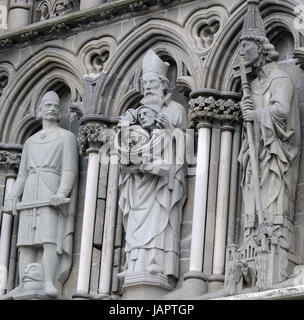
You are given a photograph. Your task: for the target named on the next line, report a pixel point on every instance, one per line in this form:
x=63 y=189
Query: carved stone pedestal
x=84 y=296
x=32 y=295
x=146 y=286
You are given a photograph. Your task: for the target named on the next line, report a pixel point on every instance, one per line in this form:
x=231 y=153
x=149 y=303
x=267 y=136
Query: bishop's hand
x=163 y=121
x=247 y=108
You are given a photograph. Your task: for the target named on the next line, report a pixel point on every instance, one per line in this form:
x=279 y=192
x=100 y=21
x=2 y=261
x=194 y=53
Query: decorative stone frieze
x=67 y=17
x=211 y=105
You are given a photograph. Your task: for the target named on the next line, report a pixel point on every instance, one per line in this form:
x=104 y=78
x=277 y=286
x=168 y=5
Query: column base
x=146 y=286
x=216 y=283
x=194 y=285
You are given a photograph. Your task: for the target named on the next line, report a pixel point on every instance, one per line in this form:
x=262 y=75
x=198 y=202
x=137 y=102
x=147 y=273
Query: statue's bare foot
x=51 y=290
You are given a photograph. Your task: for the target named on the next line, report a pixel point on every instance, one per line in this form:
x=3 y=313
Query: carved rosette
x=10 y=160
x=207 y=106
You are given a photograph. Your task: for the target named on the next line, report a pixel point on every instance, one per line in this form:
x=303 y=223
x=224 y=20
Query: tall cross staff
x=253 y=157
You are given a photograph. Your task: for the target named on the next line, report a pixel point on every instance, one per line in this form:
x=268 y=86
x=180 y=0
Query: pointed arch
x=31 y=80
x=123 y=70
x=218 y=71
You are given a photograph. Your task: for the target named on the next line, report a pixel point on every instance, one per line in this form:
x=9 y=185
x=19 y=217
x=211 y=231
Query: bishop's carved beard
x=154 y=98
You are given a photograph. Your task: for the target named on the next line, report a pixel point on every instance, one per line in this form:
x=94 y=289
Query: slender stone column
x=195 y=280
x=19 y=13
x=234 y=184
x=222 y=207
x=91 y=140
x=211 y=207
x=10 y=156
x=200 y=198
x=106 y=264
x=13 y=256
x=88 y=222
x=220 y=109
x=5 y=241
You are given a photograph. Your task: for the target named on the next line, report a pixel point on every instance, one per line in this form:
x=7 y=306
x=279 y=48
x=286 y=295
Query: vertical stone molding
x=95 y=142
x=9 y=164
x=107 y=253
x=5 y=241
x=19 y=13
x=201 y=120
x=89 y=145
x=209 y=108
x=222 y=205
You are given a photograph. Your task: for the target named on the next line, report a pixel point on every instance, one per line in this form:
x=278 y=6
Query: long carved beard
x=153 y=100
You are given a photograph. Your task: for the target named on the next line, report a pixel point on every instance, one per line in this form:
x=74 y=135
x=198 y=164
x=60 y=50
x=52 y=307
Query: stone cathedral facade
x=234 y=225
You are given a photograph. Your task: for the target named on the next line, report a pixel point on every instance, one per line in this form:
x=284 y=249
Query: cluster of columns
x=101 y=185
x=216 y=187
x=9 y=223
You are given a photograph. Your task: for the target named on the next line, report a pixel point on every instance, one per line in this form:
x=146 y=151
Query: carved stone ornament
x=211 y=108
x=53 y=8
x=9 y=159
x=90 y=136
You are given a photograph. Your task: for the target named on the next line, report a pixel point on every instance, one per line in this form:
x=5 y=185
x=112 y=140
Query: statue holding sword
x=46 y=187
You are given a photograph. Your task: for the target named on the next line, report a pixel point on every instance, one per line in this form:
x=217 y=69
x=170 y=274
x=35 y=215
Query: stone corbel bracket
x=299 y=55
x=91 y=133
x=209 y=105
x=79 y=20
x=10 y=157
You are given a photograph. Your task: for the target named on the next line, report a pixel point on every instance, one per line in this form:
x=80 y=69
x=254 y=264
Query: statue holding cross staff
x=270 y=150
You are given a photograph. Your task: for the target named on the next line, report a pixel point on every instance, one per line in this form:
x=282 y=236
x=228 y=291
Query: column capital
x=209 y=105
x=95 y=131
x=10 y=157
